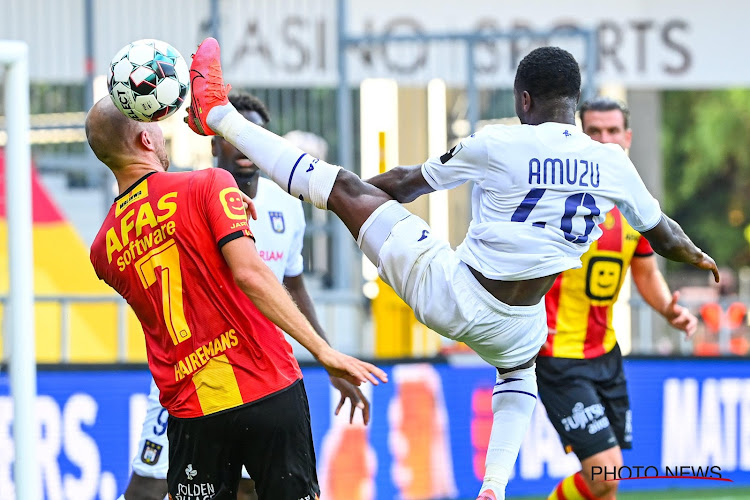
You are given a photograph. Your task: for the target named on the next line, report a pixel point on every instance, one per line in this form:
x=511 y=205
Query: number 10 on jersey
x=572 y=203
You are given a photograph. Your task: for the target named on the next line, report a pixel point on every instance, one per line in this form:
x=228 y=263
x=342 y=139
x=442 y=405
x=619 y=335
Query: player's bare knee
x=605 y=464
x=603 y=490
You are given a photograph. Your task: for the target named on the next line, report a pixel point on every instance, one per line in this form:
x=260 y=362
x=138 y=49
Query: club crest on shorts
x=151 y=452
x=277 y=221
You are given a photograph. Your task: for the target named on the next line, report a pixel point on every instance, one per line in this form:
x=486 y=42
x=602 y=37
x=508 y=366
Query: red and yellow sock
x=572 y=488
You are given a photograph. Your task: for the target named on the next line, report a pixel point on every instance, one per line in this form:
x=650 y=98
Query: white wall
x=658 y=44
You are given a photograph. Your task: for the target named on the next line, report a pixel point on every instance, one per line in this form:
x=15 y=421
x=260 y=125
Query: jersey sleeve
x=295 y=263
x=224 y=208
x=640 y=208
x=643 y=249
x=466 y=161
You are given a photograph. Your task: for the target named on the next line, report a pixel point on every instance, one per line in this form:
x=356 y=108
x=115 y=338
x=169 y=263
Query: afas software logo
x=623 y=473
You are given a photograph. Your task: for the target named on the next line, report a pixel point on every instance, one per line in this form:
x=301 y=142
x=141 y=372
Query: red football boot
x=486 y=495
x=207 y=88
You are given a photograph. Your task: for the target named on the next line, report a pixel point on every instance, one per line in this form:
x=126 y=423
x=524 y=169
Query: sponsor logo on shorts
x=151 y=452
x=193 y=491
x=591 y=418
x=628 y=426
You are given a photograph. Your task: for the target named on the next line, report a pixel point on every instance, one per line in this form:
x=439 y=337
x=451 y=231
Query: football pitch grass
x=696 y=494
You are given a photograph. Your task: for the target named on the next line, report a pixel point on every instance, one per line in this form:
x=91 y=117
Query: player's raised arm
x=403 y=184
x=260 y=285
x=669 y=240
x=642 y=211
x=466 y=161
x=296 y=287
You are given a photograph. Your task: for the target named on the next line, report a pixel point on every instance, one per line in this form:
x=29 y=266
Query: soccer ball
x=148 y=80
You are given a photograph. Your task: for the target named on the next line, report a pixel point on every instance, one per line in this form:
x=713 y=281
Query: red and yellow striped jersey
x=209 y=348
x=579 y=305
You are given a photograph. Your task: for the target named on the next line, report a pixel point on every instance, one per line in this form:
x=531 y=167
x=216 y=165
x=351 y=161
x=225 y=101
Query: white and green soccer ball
x=148 y=80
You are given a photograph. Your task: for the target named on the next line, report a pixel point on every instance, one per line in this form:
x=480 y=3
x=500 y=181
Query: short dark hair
x=549 y=73
x=605 y=104
x=244 y=102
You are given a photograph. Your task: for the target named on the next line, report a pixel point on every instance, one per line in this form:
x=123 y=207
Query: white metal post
x=20 y=308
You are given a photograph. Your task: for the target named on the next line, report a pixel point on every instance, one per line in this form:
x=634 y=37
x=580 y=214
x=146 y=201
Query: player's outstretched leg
x=373 y=217
x=301 y=175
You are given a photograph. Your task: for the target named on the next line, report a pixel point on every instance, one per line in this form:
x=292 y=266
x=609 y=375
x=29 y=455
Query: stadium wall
x=647 y=45
x=427 y=438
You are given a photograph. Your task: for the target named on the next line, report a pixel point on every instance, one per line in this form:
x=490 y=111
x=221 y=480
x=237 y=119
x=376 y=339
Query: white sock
x=513 y=402
x=300 y=174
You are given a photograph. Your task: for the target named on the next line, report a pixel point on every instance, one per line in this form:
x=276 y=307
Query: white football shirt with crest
x=280 y=229
x=540 y=193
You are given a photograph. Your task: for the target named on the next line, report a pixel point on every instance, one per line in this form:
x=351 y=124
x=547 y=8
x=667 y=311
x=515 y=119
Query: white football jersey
x=540 y=194
x=280 y=229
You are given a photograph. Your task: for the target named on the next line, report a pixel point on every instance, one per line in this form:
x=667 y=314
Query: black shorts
x=587 y=402
x=271 y=438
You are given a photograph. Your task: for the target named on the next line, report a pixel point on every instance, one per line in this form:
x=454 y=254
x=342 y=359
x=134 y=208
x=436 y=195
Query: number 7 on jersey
x=167 y=259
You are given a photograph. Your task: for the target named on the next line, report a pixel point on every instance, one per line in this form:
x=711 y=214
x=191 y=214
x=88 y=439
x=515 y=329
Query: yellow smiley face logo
x=231 y=200
x=603 y=277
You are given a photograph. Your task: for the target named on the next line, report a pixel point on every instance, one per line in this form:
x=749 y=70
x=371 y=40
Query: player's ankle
x=487 y=495
x=216 y=118
x=301 y=175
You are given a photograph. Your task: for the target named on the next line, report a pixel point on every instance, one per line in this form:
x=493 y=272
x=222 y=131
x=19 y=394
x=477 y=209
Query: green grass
x=706 y=494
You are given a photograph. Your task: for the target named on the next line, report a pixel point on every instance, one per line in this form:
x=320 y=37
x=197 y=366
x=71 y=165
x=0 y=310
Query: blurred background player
x=489 y=292
x=279 y=233
x=207 y=304
x=579 y=369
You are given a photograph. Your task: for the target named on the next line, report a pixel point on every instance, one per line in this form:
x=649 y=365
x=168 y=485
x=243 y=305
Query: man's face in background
x=607 y=127
x=231 y=159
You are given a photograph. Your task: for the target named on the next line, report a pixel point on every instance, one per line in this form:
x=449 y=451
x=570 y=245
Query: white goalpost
x=20 y=305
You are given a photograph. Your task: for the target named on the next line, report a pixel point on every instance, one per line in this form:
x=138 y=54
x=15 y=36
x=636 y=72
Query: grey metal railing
x=331 y=307
x=65 y=302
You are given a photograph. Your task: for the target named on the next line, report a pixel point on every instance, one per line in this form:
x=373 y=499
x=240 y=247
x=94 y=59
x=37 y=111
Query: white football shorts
x=426 y=273
x=152 y=459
